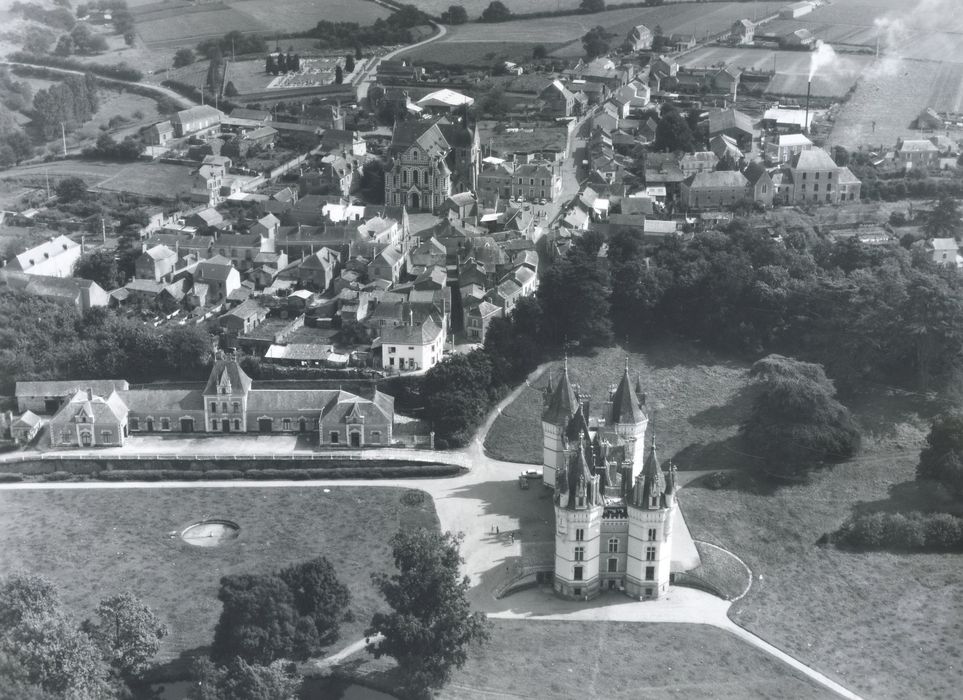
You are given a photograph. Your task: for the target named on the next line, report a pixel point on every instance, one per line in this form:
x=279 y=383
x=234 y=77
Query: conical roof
x=563 y=404
x=625 y=403
x=652 y=473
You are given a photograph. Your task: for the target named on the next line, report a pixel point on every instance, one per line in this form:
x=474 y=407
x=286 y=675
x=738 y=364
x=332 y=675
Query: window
x=105 y=437
x=652 y=534
x=165 y=423
x=650 y=573
x=579 y=535
x=236 y=406
x=654 y=501
x=816 y=187
x=66 y=437
x=580 y=554
x=213 y=407
x=577 y=591
x=134 y=424
x=404 y=177
x=804 y=176
x=224 y=406
x=286 y=424
x=578 y=574
x=376 y=436
x=614 y=544
x=817 y=176
x=613 y=565
x=335 y=437
x=237 y=424
x=391 y=349
x=650 y=553
x=214 y=425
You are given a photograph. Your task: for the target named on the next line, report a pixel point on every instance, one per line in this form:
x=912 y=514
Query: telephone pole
x=63 y=136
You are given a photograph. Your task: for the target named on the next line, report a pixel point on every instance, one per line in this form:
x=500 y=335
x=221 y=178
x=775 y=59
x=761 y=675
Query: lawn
x=189 y=26
x=694 y=403
x=96 y=543
x=291 y=15
x=476 y=7
x=477 y=53
x=569 y=660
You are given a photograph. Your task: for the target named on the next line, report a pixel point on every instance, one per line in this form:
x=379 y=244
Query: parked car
x=531 y=474
x=543 y=201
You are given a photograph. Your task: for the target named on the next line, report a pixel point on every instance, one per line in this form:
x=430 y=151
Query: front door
x=187 y=425
x=150 y=425
x=356 y=439
x=226 y=425
x=264 y=425
x=85 y=439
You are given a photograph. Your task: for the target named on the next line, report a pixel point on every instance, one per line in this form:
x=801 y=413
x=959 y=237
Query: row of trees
x=45 y=654
x=394 y=29
x=69 y=103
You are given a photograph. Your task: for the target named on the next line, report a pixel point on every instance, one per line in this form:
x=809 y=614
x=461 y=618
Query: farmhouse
x=743 y=31
x=916 y=153
x=54 y=258
x=796 y=10
x=639 y=38
x=159 y=134
x=714 y=190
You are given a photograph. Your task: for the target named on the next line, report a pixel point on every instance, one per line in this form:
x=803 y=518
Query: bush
x=9 y=477
x=58 y=476
x=915 y=532
x=223 y=474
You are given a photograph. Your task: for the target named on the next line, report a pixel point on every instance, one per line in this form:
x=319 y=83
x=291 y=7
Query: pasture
x=474 y=8
x=791 y=67
x=148 y=179
x=482 y=54
x=96 y=543
x=298 y=15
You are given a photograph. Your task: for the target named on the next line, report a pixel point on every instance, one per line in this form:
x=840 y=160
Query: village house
x=80 y=293
x=319 y=269
x=159 y=134
x=714 y=190
x=557 y=100
x=387 y=265
x=53 y=258
x=734 y=124
x=23 y=428
x=639 y=38
x=243 y=318
x=155 y=263
x=477 y=319
x=916 y=153
x=743 y=31
x=780 y=148
x=760 y=184
x=412 y=346
x=945 y=252
x=699 y=162
x=195 y=120
x=219 y=276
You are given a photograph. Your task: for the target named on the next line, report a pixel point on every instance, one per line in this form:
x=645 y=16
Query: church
x=614 y=504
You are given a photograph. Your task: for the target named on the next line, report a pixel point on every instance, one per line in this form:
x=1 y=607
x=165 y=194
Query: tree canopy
x=456 y=14
x=941 y=459
x=592 y=6
x=496 y=12
x=673 y=133
x=795 y=422
x=430 y=626
x=596 y=42
x=240 y=680
x=944 y=221
x=127 y=632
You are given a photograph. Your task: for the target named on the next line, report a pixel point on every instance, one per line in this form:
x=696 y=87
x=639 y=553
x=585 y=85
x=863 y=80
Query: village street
x=486 y=497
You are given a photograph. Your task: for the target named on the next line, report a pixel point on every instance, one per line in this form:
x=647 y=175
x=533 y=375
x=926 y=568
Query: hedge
x=121 y=71
x=914 y=532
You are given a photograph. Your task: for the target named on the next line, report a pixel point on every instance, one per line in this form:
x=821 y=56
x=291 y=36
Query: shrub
x=943 y=531
x=895 y=531
x=58 y=476
x=9 y=477
x=220 y=474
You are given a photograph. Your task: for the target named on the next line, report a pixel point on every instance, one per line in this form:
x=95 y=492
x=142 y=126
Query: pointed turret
x=562 y=404
x=626 y=408
x=652 y=473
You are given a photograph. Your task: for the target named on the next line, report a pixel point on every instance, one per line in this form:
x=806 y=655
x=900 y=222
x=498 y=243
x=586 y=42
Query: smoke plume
x=823 y=56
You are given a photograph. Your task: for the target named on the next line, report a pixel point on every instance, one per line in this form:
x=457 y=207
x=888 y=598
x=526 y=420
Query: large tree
x=574 y=296
x=941 y=459
x=592 y=6
x=240 y=680
x=795 y=422
x=183 y=57
x=99 y=266
x=127 y=632
x=456 y=14
x=596 y=42
x=673 y=133
x=318 y=595
x=944 y=221
x=430 y=626
x=496 y=12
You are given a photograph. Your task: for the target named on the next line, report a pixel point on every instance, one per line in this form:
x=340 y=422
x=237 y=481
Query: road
x=371 y=72
x=476 y=503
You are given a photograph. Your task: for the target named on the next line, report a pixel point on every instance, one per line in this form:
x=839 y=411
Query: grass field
x=96 y=543
x=149 y=179
x=474 y=8
x=301 y=14
x=694 y=404
x=636 y=661
x=792 y=68
x=879 y=114
x=478 y=53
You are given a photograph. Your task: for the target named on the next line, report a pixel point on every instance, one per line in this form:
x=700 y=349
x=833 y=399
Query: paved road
x=371 y=72
x=475 y=503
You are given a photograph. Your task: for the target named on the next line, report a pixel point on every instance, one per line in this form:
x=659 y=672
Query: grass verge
x=93 y=543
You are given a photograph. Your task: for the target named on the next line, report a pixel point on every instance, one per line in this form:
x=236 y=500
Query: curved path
x=475 y=503
x=371 y=72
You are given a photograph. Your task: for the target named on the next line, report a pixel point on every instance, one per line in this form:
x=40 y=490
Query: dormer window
x=654 y=501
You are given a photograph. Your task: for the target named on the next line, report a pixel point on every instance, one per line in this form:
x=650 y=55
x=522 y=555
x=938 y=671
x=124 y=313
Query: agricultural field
x=148 y=179
x=886 y=625
x=96 y=543
x=482 y=54
x=878 y=114
x=190 y=28
x=568 y=30
x=476 y=7
x=791 y=67
x=297 y=15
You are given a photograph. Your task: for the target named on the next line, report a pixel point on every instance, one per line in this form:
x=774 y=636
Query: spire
x=652 y=472
x=563 y=404
x=625 y=404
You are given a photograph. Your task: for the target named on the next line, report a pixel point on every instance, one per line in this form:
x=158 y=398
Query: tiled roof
x=100 y=387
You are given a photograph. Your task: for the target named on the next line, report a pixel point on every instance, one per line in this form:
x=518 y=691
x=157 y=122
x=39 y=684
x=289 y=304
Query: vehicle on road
x=531 y=474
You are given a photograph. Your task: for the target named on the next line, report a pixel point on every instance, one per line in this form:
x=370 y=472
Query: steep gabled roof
x=563 y=404
x=227 y=371
x=625 y=403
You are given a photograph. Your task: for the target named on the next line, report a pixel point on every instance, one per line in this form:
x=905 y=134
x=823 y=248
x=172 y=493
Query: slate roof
x=815 y=159
x=227 y=369
x=625 y=404
x=156 y=400
x=420 y=334
x=563 y=404
x=729 y=119
x=101 y=387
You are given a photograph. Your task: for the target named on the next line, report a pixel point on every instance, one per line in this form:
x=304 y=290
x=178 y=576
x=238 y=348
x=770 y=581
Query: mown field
x=482 y=54
x=97 y=543
x=886 y=625
x=149 y=179
x=792 y=68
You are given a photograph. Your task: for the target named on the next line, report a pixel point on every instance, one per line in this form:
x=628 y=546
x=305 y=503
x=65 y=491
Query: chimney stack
x=809 y=89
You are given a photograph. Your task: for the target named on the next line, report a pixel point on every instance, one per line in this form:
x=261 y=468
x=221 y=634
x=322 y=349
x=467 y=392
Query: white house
x=412 y=347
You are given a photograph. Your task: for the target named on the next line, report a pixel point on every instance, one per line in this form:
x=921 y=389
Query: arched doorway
x=414 y=201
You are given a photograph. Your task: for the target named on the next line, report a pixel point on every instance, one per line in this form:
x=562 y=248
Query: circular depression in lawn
x=211 y=533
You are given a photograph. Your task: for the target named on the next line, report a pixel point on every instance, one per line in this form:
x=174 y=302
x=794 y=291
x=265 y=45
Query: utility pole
x=103 y=230
x=46 y=178
x=63 y=135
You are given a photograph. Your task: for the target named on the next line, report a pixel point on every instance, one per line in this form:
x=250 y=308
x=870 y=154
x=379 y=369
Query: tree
x=592 y=6
x=184 y=57
x=42 y=646
x=70 y=189
x=358 y=55
x=456 y=396
x=127 y=632
x=457 y=14
x=230 y=90
x=270 y=65
x=65 y=45
x=673 y=133
x=319 y=595
x=98 y=266
x=539 y=51
x=239 y=680
x=942 y=458
x=37 y=39
x=596 y=42
x=338 y=75
x=20 y=145
x=496 y=12
x=431 y=624
x=574 y=296
x=795 y=421
x=349 y=63
x=944 y=220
